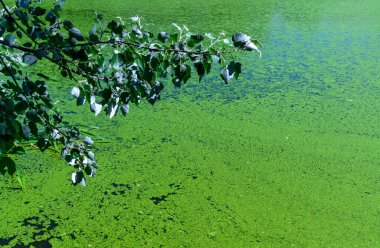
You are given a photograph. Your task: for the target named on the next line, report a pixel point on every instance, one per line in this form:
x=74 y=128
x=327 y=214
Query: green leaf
x=23 y=3
x=88 y=141
x=174 y=37
x=75 y=33
x=7 y=165
x=163 y=37
x=78 y=178
x=183 y=72
x=125 y=109
x=230 y=71
x=2 y=31
x=81 y=100
x=33 y=128
x=240 y=39
x=25 y=131
x=29 y=59
x=39 y=53
x=244 y=42
x=19 y=34
x=93 y=38
x=3 y=128
x=68 y=24
x=9 y=40
x=115 y=27
x=17 y=150
x=200 y=69
x=81 y=55
x=50 y=17
x=32 y=116
x=38 y=11
x=6 y=143
x=197 y=38
x=21 y=106
x=59 y=2
x=43 y=144
x=96 y=108
x=28 y=44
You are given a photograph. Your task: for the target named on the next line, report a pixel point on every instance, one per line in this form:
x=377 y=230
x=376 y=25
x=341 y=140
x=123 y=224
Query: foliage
x=115 y=64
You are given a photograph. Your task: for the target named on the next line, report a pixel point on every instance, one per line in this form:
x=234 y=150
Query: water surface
x=288 y=155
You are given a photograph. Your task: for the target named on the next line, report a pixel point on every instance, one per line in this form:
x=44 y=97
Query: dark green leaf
x=230 y=71
x=78 y=178
x=163 y=37
x=23 y=3
x=25 y=131
x=19 y=34
x=153 y=98
x=115 y=27
x=183 y=72
x=177 y=82
x=50 y=17
x=32 y=116
x=93 y=38
x=27 y=44
x=9 y=40
x=21 y=106
x=43 y=144
x=7 y=165
x=57 y=118
x=137 y=32
x=240 y=39
x=2 y=31
x=81 y=100
x=81 y=55
x=106 y=94
x=63 y=73
x=33 y=128
x=200 y=67
x=39 y=53
x=29 y=59
x=3 y=128
x=125 y=109
x=75 y=33
x=68 y=24
x=174 y=37
x=38 y=11
x=195 y=39
x=6 y=143
x=88 y=170
x=17 y=150
x=244 y=42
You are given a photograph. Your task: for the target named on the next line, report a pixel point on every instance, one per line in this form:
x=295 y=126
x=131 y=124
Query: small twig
x=15 y=21
x=9 y=71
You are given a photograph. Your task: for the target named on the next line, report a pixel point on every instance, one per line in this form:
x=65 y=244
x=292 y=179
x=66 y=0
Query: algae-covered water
x=287 y=156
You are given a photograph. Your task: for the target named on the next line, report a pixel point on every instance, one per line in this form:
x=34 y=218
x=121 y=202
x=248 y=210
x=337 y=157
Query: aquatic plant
x=115 y=64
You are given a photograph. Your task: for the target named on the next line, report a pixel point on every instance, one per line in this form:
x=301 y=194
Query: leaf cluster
x=115 y=64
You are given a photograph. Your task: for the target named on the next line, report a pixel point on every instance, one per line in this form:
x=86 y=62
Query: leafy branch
x=115 y=64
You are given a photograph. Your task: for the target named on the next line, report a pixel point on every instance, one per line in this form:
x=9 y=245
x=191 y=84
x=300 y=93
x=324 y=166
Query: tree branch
x=17 y=24
x=21 y=48
x=9 y=71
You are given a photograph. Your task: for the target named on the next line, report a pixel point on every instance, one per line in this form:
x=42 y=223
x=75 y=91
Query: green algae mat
x=287 y=156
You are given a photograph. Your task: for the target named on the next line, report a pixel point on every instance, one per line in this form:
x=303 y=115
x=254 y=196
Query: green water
x=287 y=156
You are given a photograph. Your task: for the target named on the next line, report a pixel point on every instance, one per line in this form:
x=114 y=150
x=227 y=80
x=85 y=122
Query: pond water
x=287 y=156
